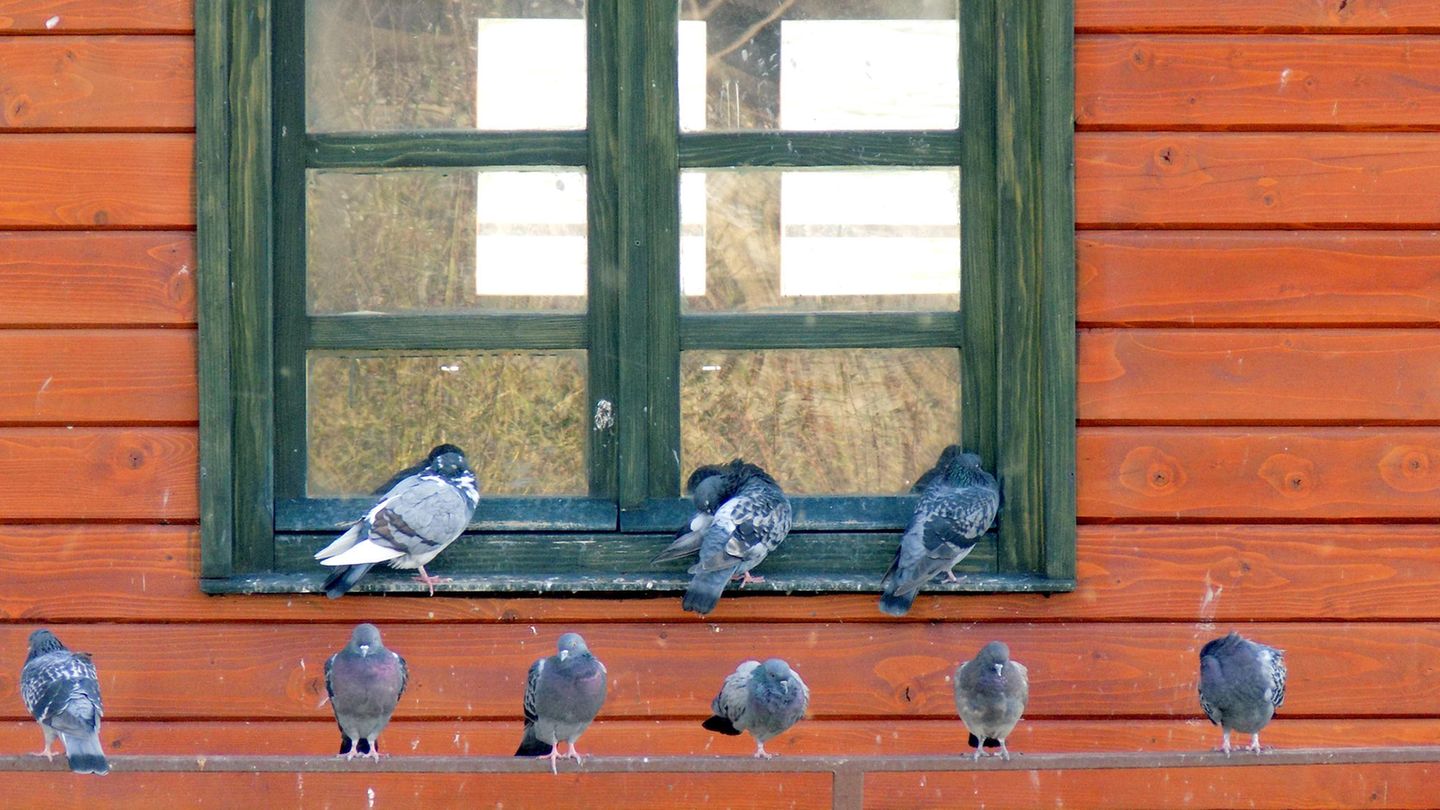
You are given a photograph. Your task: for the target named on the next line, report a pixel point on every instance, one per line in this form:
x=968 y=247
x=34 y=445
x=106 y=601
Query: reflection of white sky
x=842 y=232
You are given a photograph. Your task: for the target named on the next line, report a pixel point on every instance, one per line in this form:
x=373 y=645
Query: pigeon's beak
x=364 y=650
x=999 y=669
x=564 y=654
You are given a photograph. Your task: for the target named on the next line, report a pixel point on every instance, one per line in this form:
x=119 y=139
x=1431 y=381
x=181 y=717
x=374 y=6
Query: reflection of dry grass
x=519 y=415
x=822 y=421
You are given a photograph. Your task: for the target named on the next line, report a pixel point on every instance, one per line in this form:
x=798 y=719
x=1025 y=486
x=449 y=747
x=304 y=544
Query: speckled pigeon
x=753 y=517
x=365 y=682
x=1242 y=683
x=763 y=699
x=414 y=521
x=62 y=693
x=563 y=693
x=958 y=501
x=709 y=486
x=990 y=695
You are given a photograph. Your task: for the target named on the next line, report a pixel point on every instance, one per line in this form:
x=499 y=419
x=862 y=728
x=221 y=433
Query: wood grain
x=1172 y=573
x=97 y=83
x=1258 y=473
x=1301 y=786
x=323 y=790
x=1262 y=82
x=34 y=16
x=126 y=376
x=138 y=278
x=1258 y=376
x=1310 y=179
x=107 y=181
x=98 y=474
x=672 y=671
x=1259 y=278
x=1258 y=15
x=879 y=737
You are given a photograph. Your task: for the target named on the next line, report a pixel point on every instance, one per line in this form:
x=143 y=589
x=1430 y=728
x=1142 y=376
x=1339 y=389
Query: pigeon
x=958 y=501
x=1242 y=683
x=990 y=695
x=414 y=521
x=563 y=693
x=62 y=693
x=364 y=681
x=751 y=519
x=763 y=699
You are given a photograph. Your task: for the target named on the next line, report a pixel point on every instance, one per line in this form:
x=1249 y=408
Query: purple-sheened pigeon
x=365 y=682
x=763 y=699
x=1242 y=683
x=563 y=693
x=990 y=694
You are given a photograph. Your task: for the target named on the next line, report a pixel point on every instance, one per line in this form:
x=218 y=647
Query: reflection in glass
x=822 y=421
x=446 y=239
x=421 y=64
x=855 y=240
x=820 y=64
x=520 y=416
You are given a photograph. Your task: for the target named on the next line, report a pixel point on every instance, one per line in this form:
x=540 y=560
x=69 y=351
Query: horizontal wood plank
x=1258 y=376
x=809 y=791
x=97 y=83
x=64 y=16
x=1260 y=278
x=1408 y=785
x=99 y=474
x=1265 y=82
x=1312 y=179
x=97 y=278
x=672 y=671
x=1257 y=15
x=87 y=181
x=1258 y=473
x=125 y=376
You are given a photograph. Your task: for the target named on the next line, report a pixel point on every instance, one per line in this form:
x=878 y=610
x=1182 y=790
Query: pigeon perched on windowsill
x=763 y=699
x=1242 y=683
x=414 y=521
x=563 y=693
x=990 y=695
x=364 y=681
x=958 y=502
x=751 y=519
x=62 y=692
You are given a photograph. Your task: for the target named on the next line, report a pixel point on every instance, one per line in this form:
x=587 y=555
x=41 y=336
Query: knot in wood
x=1152 y=472
x=1290 y=475
x=1411 y=468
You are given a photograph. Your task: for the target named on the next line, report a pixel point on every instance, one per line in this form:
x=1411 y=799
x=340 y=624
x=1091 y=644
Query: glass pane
x=446 y=240
x=417 y=64
x=520 y=416
x=863 y=240
x=822 y=421
x=819 y=64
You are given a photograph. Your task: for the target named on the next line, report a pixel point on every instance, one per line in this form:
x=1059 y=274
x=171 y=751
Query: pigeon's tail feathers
x=704 y=592
x=85 y=754
x=721 y=725
x=896 y=604
x=343 y=579
x=532 y=746
x=684 y=546
x=342 y=543
x=362 y=552
x=362 y=746
x=345 y=745
x=989 y=742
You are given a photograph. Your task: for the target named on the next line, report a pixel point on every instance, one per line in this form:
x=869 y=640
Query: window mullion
x=605 y=276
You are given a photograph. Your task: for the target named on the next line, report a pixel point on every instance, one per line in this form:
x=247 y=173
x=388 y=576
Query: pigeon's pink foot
x=350 y=755
x=1255 y=745
x=761 y=753
x=553 y=756
x=574 y=753
x=950 y=577
x=47 y=753
x=429 y=581
x=746 y=579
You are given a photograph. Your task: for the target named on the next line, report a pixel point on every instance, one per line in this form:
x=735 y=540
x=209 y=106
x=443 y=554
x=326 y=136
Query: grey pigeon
x=990 y=695
x=62 y=693
x=958 y=502
x=709 y=486
x=752 y=518
x=763 y=699
x=365 y=682
x=413 y=522
x=563 y=693
x=1242 y=683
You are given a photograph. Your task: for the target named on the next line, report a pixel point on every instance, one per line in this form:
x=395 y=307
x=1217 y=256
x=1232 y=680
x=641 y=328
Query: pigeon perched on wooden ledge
x=1242 y=683
x=62 y=692
x=414 y=521
x=763 y=699
x=364 y=681
x=563 y=693
x=990 y=695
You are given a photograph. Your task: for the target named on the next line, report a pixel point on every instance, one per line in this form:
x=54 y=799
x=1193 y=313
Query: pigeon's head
x=42 y=642
x=570 y=645
x=1223 y=644
x=995 y=654
x=366 y=639
x=709 y=486
x=448 y=460
x=776 y=675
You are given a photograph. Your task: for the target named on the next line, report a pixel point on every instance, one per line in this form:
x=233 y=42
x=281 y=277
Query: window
x=599 y=246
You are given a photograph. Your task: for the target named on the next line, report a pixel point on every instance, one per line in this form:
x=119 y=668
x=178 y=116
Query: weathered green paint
x=810 y=513
x=291 y=337
x=715 y=150
x=479 y=330
x=445 y=148
x=604 y=272
x=980 y=281
x=821 y=330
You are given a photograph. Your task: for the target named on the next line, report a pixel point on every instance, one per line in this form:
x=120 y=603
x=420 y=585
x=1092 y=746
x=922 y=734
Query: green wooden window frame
x=1015 y=150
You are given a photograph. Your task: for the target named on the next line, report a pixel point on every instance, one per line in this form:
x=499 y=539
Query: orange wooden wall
x=1258 y=198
